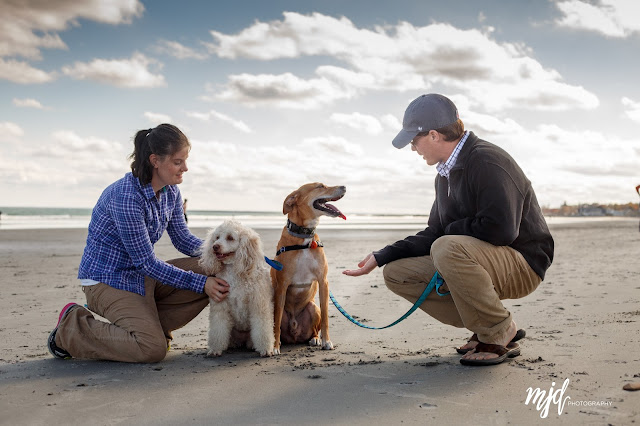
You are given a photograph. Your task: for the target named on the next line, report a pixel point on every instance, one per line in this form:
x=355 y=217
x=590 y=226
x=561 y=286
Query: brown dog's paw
x=327 y=345
x=315 y=341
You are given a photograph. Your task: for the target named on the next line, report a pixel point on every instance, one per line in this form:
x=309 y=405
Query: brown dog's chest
x=306 y=267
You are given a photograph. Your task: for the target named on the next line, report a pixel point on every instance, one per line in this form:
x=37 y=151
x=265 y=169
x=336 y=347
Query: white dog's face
x=224 y=243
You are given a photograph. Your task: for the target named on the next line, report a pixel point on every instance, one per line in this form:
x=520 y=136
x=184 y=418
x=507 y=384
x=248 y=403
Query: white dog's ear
x=290 y=201
x=249 y=255
x=208 y=260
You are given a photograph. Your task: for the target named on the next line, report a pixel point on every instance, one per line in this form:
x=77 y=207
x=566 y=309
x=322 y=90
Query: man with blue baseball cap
x=486 y=235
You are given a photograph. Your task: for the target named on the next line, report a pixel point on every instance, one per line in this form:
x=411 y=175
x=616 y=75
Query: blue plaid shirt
x=126 y=222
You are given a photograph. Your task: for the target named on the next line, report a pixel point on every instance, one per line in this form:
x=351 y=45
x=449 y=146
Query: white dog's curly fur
x=234 y=253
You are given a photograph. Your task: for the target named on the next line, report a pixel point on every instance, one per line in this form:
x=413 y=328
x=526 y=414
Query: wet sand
x=582 y=327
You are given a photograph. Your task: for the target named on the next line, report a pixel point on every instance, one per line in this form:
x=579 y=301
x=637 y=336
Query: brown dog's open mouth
x=331 y=210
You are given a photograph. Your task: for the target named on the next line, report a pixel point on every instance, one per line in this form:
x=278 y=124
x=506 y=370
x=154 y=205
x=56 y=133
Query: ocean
x=67 y=218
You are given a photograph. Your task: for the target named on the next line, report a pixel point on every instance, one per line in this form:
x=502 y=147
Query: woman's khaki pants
x=139 y=327
x=478 y=274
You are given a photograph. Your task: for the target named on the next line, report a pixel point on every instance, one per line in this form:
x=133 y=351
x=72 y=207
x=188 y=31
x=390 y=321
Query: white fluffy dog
x=234 y=253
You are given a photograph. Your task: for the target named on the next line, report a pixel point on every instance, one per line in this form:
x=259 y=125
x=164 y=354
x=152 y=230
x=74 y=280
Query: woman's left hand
x=216 y=288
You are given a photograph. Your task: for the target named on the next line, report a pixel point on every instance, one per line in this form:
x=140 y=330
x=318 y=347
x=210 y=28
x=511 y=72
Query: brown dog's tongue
x=335 y=209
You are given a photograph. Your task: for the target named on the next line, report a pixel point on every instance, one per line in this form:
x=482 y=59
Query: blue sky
x=276 y=94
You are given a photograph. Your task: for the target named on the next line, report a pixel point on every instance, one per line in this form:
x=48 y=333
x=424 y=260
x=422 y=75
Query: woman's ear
x=153 y=160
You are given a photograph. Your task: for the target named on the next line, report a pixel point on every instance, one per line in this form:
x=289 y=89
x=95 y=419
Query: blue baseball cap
x=427 y=112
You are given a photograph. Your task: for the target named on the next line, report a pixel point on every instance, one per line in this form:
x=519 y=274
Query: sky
x=275 y=94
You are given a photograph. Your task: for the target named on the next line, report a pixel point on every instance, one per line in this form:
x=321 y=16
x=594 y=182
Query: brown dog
x=296 y=317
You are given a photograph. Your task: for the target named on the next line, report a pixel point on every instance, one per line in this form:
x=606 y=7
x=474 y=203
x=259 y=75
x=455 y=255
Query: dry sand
x=582 y=325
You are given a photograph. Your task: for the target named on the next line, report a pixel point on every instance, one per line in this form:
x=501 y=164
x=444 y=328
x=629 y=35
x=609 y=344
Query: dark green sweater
x=487 y=196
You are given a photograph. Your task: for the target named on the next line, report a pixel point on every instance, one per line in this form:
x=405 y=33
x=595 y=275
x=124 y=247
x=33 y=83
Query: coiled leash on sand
x=435 y=284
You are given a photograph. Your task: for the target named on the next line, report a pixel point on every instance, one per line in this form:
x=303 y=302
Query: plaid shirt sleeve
x=183 y=240
x=134 y=232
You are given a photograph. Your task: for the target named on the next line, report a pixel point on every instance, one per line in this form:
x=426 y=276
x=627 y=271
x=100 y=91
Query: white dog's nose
x=216 y=248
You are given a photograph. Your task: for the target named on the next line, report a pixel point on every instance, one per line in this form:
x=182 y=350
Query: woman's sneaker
x=51 y=342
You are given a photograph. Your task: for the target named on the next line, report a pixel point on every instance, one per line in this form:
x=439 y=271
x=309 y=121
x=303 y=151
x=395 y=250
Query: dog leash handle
x=273 y=263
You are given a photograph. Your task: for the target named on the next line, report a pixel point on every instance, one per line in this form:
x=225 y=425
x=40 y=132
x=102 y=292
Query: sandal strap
x=491 y=348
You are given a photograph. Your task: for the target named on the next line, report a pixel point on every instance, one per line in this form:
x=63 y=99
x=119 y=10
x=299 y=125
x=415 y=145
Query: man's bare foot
x=509 y=335
x=470 y=345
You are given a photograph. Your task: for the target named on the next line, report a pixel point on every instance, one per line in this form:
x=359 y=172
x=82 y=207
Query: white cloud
x=23 y=73
x=128 y=73
x=242 y=172
x=207 y=116
x=399 y=58
x=612 y=18
x=632 y=109
x=10 y=131
x=27 y=27
x=284 y=90
x=67 y=141
x=362 y=122
x=157 y=118
x=391 y=122
x=178 y=50
x=28 y=103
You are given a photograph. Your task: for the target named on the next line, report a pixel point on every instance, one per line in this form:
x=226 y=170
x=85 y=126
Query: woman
x=143 y=297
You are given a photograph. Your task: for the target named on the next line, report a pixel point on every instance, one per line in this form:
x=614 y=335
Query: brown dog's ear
x=289 y=202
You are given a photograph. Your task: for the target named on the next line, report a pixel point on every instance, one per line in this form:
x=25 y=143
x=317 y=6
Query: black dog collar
x=299 y=231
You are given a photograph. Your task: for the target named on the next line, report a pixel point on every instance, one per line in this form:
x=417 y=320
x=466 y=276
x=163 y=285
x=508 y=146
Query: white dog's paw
x=327 y=345
x=315 y=341
x=266 y=353
x=213 y=353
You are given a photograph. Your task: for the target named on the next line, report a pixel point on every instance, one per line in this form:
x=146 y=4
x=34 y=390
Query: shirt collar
x=445 y=168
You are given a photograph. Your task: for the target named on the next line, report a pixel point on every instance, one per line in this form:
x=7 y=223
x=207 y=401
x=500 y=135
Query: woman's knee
x=154 y=351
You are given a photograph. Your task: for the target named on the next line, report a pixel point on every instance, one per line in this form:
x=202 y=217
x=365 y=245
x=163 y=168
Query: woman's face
x=168 y=170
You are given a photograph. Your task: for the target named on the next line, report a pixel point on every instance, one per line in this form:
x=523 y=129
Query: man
x=486 y=234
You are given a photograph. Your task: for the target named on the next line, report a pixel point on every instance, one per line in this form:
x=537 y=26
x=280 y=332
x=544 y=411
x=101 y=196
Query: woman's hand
x=366 y=265
x=216 y=288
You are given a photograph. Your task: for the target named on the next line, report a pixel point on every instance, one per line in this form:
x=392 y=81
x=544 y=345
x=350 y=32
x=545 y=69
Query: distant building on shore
x=593 y=210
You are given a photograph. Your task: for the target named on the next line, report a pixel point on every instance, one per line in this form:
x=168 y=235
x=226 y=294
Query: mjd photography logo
x=543 y=400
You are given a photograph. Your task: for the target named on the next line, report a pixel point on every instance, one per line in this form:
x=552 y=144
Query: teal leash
x=435 y=284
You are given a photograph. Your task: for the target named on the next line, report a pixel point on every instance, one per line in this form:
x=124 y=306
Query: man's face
x=428 y=147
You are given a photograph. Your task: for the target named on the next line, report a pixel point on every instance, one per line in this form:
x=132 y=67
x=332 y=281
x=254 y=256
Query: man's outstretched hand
x=365 y=266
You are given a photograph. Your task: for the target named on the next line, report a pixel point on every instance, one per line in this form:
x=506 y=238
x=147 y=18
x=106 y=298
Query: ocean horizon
x=17 y=218
x=69 y=218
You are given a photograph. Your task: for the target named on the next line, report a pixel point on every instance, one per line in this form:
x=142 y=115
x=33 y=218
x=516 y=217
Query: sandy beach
x=582 y=324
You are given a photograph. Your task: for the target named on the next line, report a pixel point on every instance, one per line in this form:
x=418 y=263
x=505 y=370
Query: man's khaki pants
x=477 y=274
x=140 y=326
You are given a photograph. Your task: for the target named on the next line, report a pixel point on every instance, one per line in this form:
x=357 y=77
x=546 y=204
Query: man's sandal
x=520 y=334
x=510 y=351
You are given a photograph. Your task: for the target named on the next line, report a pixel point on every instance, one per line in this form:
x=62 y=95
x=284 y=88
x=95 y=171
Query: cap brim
x=404 y=138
